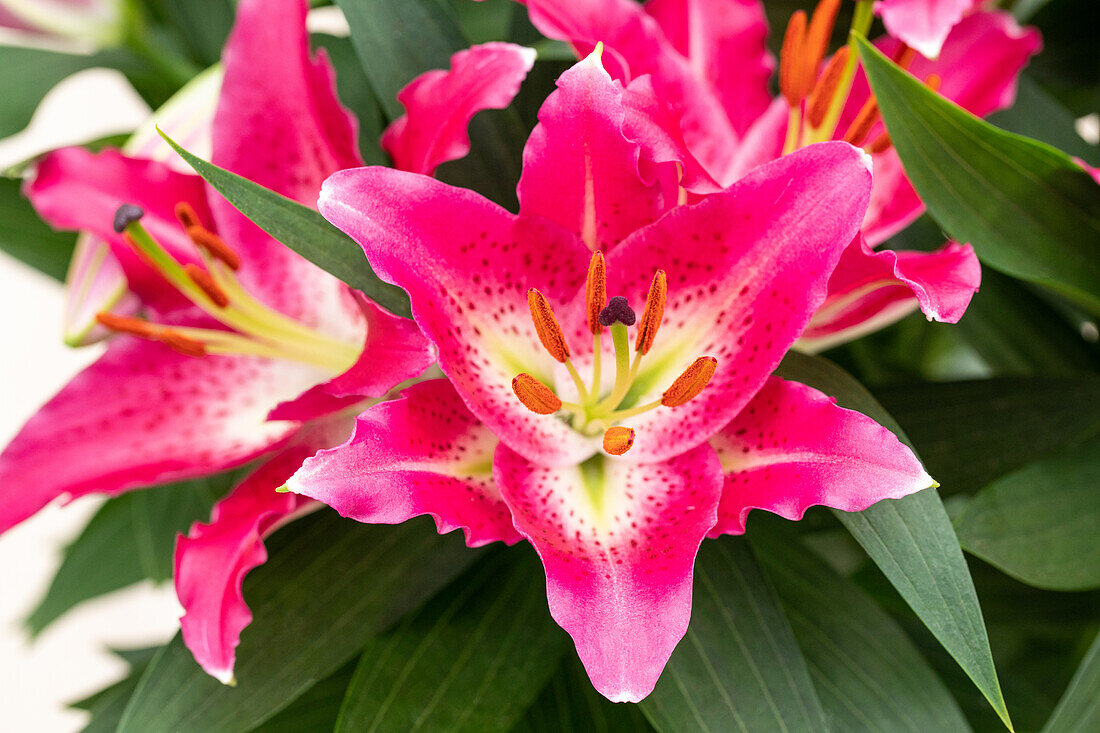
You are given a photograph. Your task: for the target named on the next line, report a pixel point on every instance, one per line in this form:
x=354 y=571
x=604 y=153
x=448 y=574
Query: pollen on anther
x=689 y=384
x=618 y=440
x=546 y=325
x=186 y=215
x=653 y=313
x=818 y=33
x=206 y=283
x=534 y=395
x=214 y=245
x=790 y=58
x=822 y=96
x=595 y=291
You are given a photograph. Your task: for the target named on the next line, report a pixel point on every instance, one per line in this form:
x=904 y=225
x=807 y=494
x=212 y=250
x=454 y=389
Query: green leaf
x=868 y=674
x=1016 y=332
x=302 y=229
x=1027 y=208
x=107 y=706
x=1040 y=523
x=971 y=432
x=570 y=703
x=130 y=538
x=396 y=42
x=913 y=543
x=1036 y=114
x=1079 y=709
x=317 y=709
x=473 y=659
x=27 y=238
x=328 y=587
x=738 y=668
x=28 y=73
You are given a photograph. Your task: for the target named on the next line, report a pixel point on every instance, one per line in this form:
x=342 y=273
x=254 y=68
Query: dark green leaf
x=27 y=238
x=398 y=41
x=317 y=709
x=1038 y=115
x=1079 y=709
x=1027 y=208
x=738 y=668
x=972 y=432
x=130 y=538
x=868 y=674
x=329 y=586
x=913 y=543
x=107 y=706
x=302 y=229
x=1040 y=524
x=27 y=74
x=200 y=26
x=1016 y=332
x=473 y=659
x=570 y=703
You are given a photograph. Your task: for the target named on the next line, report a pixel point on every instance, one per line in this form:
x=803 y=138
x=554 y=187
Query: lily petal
x=618 y=542
x=746 y=267
x=578 y=168
x=423 y=453
x=144 y=414
x=212 y=560
x=793 y=448
x=725 y=42
x=440 y=104
x=95 y=283
x=280 y=124
x=869 y=290
x=467 y=264
x=76 y=189
x=922 y=24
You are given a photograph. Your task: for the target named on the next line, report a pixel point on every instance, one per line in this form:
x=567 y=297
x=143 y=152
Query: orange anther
x=933 y=82
x=595 y=291
x=206 y=283
x=183 y=344
x=880 y=144
x=904 y=56
x=822 y=96
x=186 y=215
x=546 y=325
x=535 y=395
x=213 y=244
x=127 y=324
x=653 y=313
x=790 y=58
x=617 y=440
x=818 y=34
x=864 y=120
x=689 y=384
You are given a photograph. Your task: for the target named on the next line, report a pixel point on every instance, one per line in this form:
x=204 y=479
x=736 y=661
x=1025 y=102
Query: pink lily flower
x=923 y=24
x=98 y=21
x=725 y=125
x=246 y=350
x=613 y=457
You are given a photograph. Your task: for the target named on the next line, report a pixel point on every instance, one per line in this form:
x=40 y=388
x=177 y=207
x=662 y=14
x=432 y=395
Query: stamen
x=825 y=89
x=790 y=66
x=202 y=278
x=595 y=291
x=933 y=82
x=689 y=384
x=186 y=215
x=653 y=313
x=904 y=56
x=818 y=34
x=617 y=311
x=880 y=144
x=126 y=215
x=182 y=344
x=546 y=326
x=864 y=120
x=152 y=332
x=215 y=246
x=618 y=440
x=535 y=396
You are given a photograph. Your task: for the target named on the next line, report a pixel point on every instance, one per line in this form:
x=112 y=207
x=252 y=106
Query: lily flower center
x=251 y=327
x=816 y=99
x=594 y=411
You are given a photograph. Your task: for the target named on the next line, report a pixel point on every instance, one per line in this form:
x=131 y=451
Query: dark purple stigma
x=126 y=215
x=617 y=311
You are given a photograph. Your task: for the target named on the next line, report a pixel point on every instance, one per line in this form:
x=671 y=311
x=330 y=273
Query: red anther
x=595 y=291
x=206 y=283
x=653 y=313
x=127 y=324
x=183 y=344
x=618 y=440
x=904 y=56
x=186 y=215
x=864 y=120
x=880 y=144
x=822 y=96
x=689 y=384
x=214 y=244
x=790 y=63
x=818 y=34
x=546 y=325
x=933 y=82
x=534 y=395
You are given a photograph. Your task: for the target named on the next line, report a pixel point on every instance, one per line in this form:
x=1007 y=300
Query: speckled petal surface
x=423 y=453
x=792 y=448
x=618 y=541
